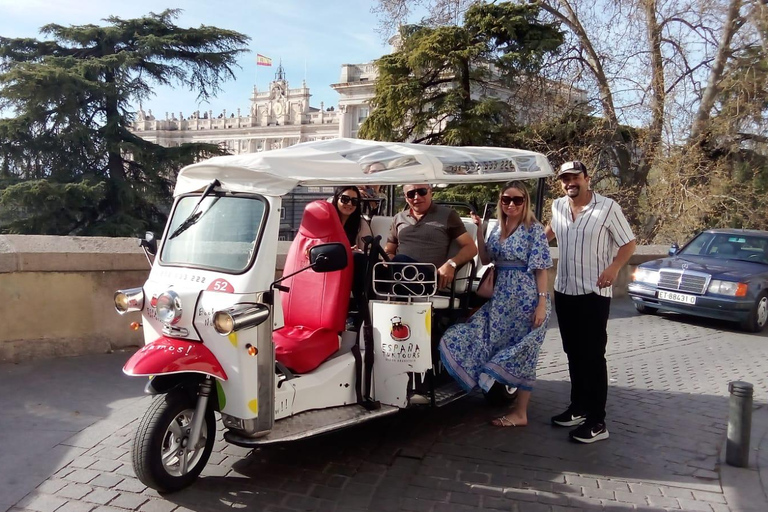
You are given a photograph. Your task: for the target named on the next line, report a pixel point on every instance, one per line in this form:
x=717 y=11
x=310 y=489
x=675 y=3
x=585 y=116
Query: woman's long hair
x=527 y=218
x=352 y=226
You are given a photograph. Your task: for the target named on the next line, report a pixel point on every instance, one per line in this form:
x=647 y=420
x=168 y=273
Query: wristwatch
x=451 y=263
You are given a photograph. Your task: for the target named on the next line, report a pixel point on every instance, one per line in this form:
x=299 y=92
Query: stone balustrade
x=56 y=293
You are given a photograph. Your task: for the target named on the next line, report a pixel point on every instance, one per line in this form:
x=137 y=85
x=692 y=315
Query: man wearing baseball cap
x=594 y=241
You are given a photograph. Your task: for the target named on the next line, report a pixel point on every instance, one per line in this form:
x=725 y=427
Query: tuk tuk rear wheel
x=161 y=438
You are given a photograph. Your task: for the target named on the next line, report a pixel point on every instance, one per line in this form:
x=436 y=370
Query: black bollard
x=739 y=424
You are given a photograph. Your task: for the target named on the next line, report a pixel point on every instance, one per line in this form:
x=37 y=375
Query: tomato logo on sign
x=221 y=285
x=399 y=330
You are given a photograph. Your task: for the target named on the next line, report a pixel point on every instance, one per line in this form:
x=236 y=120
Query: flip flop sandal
x=502 y=421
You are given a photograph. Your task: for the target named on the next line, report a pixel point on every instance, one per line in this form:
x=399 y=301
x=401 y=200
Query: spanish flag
x=262 y=60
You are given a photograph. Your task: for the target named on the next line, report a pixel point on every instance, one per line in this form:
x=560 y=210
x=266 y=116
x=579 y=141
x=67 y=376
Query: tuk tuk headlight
x=129 y=300
x=238 y=317
x=223 y=323
x=168 y=307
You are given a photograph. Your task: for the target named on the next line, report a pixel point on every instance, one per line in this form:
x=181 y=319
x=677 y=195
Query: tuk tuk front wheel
x=162 y=459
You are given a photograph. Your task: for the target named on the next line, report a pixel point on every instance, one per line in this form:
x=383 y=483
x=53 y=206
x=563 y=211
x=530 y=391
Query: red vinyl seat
x=315 y=308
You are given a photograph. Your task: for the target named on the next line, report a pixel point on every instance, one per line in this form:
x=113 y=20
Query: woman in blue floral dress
x=501 y=341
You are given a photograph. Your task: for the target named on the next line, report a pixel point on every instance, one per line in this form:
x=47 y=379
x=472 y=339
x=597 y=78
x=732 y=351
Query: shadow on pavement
x=52 y=400
x=657 y=440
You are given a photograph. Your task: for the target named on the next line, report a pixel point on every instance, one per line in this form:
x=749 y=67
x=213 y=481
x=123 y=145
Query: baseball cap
x=572 y=167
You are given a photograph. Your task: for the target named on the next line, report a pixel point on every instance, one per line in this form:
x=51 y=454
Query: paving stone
x=105 y=465
x=130 y=485
x=644 y=489
x=105 y=508
x=41 y=502
x=153 y=505
x=710 y=497
x=463 y=498
x=581 y=481
x=694 y=505
x=662 y=501
x=74 y=491
x=607 y=494
x=586 y=503
x=613 y=485
x=52 y=486
x=533 y=507
x=107 y=480
x=128 y=500
x=76 y=506
x=452 y=507
x=520 y=495
x=83 y=462
x=82 y=476
x=676 y=492
x=100 y=496
x=423 y=493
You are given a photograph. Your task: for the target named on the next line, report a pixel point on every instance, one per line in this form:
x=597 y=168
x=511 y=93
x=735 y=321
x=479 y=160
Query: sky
x=313 y=38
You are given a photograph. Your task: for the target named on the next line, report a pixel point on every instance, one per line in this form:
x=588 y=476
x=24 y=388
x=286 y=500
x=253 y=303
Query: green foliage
x=67 y=139
x=438 y=87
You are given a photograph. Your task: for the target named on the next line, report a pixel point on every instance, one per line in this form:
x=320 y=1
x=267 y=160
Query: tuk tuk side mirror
x=673 y=249
x=328 y=257
x=149 y=243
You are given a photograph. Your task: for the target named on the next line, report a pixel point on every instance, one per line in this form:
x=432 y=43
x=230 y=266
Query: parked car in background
x=720 y=273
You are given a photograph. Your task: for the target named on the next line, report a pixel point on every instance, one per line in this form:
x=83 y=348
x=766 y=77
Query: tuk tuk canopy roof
x=355 y=162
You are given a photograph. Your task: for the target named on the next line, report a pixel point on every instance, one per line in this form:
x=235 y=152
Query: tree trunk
x=709 y=97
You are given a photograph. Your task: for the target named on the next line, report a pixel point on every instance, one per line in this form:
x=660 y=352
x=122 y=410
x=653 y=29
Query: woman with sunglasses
x=499 y=345
x=346 y=199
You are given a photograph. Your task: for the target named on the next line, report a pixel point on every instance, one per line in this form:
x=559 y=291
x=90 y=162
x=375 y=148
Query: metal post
x=739 y=423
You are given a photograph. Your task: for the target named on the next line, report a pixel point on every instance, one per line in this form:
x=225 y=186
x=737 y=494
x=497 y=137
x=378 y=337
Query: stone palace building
x=281 y=116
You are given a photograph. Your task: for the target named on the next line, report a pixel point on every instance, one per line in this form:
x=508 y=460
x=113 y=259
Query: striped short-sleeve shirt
x=588 y=244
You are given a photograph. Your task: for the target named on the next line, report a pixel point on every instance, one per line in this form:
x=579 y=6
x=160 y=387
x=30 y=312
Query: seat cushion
x=302 y=349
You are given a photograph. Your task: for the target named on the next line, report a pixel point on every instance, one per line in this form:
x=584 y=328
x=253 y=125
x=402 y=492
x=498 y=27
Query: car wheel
x=758 y=317
x=646 y=310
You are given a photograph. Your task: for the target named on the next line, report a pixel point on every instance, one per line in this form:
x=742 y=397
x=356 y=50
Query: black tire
x=758 y=316
x=644 y=309
x=155 y=435
x=500 y=394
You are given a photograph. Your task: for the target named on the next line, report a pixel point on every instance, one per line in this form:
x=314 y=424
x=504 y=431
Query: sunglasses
x=518 y=200
x=348 y=200
x=412 y=193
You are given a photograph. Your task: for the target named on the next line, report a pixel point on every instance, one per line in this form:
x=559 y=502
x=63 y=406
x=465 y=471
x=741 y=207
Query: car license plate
x=677 y=297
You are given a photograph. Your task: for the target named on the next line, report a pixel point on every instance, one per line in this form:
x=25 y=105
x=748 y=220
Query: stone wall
x=56 y=293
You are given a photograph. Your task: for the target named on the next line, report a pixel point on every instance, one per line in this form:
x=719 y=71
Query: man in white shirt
x=589 y=229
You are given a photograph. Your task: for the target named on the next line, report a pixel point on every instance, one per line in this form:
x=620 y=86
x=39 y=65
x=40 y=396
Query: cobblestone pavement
x=667 y=416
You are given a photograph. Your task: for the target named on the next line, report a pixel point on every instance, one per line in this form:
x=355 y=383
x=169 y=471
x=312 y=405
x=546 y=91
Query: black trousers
x=583 y=320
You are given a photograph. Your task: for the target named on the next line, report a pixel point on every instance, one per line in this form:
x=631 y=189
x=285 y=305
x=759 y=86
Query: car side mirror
x=149 y=243
x=673 y=249
x=328 y=257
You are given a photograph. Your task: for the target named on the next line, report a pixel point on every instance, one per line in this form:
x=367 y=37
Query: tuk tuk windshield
x=222 y=236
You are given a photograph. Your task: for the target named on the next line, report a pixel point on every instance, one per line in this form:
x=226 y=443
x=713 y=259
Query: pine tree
x=435 y=88
x=68 y=163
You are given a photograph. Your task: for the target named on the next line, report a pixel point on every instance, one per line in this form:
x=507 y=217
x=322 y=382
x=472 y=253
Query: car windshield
x=729 y=246
x=222 y=236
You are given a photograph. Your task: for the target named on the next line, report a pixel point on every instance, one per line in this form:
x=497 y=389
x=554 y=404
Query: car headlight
x=129 y=300
x=169 y=307
x=727 y=288
x=645 y=275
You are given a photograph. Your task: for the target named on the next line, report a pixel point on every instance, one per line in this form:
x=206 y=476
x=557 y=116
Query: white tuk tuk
x=276 y=358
